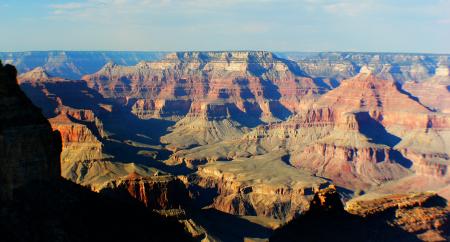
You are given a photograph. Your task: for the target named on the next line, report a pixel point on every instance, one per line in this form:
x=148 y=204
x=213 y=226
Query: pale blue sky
x=277 y=25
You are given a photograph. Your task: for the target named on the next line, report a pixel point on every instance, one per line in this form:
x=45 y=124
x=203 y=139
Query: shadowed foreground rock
x=38 y=205
x=328 y=221
x=29 y=149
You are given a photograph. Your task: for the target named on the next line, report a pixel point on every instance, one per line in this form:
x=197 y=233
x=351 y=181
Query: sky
x=180 y=25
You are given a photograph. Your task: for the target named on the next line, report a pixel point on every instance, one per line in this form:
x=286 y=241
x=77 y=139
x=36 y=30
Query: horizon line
x=233 y=50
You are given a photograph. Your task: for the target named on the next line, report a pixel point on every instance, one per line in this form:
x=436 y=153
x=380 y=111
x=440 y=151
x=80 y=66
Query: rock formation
x=38 y=205
x=393 y=218
x=438 y=86
x=29 y=149
x=79 y=114
x=423 y=214
x=205 y=88
x=275 y=191
x=155 y=192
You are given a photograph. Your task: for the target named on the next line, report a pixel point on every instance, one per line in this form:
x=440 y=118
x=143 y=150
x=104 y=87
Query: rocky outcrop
x=275 y=191
x=424 y=214
x=79 y=143
x=29 y=149
x=155 y=192
x=80 y=128
x=351 y=167
x=326 y=220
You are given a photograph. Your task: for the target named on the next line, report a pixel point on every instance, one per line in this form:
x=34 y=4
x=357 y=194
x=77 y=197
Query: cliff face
x=374 y=122
x=214 y=96
x=38 y=205
x=29 y=148
x=155 y=192
x=78 y=124
x=407 y=217
x=438 y=85
x=77 y=113
x=257 y=84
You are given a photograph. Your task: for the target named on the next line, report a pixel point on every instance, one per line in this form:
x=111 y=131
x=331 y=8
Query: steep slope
x=93 y=154
x=29 y=148
x=78 y=127
x=438 y=86
x=38 y=205
x=423 y=214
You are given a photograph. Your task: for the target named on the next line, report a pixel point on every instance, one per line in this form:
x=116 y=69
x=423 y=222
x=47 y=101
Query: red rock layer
x=258 y=84
x=155 y=192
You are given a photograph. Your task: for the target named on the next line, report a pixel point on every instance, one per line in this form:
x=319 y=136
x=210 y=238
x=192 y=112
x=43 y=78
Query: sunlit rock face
x=255 y=84
x=433 y=92
x=371 y=141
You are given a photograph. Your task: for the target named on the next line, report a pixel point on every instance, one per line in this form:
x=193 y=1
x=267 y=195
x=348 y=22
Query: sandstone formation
x=155 y=192
x=425 y=214
x=217 y=92
x=361 y=134
x=77 y=115
x=433 y=92
x=38 y=205
x=77 y=126
x=275 y=190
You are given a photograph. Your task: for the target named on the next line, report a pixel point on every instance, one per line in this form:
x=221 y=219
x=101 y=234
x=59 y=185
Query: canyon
x=38 y=204
x=249 y=136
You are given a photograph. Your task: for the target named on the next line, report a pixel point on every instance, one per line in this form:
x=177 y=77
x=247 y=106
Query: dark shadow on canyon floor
x=227 y=227
x=133 y=140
